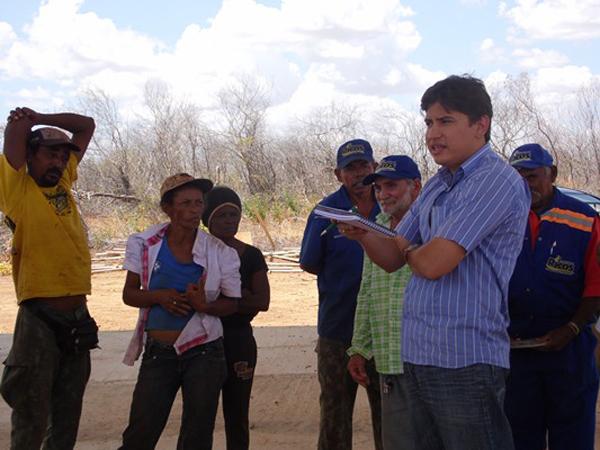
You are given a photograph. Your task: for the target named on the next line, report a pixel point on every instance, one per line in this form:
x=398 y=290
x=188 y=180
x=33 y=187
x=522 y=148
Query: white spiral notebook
x=353 y=219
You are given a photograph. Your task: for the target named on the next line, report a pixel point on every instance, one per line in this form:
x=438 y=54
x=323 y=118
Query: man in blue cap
x=338 y=262
x=377 y=323
x=553 y=296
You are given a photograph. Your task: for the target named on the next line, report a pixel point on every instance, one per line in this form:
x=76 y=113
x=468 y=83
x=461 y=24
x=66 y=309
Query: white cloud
x=38 y=97
x=7 y=36
x=473 y=2
x=556 y=86
x=495 y=79
x=486 y=44
x=62 y=43
x=489 y=52
x=306 y=49
x=554 y=19
x=534 y=58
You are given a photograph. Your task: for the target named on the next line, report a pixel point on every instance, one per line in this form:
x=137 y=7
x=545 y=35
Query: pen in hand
x=331 y=226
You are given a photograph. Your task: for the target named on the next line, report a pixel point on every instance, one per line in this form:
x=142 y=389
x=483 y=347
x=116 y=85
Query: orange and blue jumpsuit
x=552 y=395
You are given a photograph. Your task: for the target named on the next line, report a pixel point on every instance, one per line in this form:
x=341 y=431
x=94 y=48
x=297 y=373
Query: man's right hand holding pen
x=333 y=223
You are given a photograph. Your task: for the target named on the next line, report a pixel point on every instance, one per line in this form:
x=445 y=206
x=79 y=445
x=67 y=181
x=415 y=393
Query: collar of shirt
x=465 y=169
x=344 y=198
x=383 y=219
x=556 y=198
x=155 y=235
x=345 y=202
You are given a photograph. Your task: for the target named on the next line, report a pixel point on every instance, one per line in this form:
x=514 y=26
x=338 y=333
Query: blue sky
x=309 y=52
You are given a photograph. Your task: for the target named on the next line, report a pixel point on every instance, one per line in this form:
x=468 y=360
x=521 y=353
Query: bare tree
x=308 y=150
x=514 y=120
x=404 y=133
x=585 y=131
x=112 y=157
x=243 y=107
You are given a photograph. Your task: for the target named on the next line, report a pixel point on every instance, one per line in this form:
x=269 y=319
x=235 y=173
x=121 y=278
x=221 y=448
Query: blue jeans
x=454 y=409
x=200 y=372
x=393 y=401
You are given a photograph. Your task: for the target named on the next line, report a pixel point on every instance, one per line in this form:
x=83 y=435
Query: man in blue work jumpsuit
x=553 y=299
x=338 y=263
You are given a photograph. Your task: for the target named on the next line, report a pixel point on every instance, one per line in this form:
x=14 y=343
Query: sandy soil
x=284 y=408
x=293 y=302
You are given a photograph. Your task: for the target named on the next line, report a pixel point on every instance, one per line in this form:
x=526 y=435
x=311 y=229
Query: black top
x=251 y=261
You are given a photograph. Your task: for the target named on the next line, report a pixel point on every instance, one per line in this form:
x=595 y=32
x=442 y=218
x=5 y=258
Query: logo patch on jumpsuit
x=558 y=265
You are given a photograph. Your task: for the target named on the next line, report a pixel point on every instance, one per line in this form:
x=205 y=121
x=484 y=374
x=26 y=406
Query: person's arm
x=15 y=139
x=360 y=350
x=312 y=247
x=386 y=253
x=258 y=297
x=169 y=299
x=436 y=258
x=21 y=120
x=558 y=338
x=485 y=203
x=589 y=307
x=220 y=307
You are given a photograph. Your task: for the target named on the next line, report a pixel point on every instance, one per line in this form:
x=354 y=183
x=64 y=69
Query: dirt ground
x=284 y=407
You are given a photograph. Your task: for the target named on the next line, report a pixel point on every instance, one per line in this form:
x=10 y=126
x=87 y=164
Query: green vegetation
x=5 y=268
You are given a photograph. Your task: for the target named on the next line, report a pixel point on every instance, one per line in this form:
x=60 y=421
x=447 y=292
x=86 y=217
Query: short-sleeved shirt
x=461 y=318
x=251 y=261
x=339 y=263
x=50 y=255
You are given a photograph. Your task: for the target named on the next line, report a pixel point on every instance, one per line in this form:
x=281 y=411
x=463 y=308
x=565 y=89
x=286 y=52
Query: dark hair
x=167 y=198
x=217 y=197
x=465 y=94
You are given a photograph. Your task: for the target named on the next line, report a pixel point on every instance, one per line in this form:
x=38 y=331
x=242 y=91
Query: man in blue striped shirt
x=461 y=239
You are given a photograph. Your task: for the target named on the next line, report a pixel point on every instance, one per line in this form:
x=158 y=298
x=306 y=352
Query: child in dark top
x=222 y=217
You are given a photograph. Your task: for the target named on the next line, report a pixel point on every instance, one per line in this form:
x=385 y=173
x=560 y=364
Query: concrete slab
x=282 y=351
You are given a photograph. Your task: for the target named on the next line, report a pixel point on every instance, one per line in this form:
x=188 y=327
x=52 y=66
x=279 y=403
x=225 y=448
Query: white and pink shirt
x=222 y=266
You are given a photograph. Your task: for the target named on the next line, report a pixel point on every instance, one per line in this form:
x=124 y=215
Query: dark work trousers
x=44 y=386
x=240 y=353
x=199 y=372
x=553 y=409
x=338 y=393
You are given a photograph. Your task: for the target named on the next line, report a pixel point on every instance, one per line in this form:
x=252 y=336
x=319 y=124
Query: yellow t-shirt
x=50 y=256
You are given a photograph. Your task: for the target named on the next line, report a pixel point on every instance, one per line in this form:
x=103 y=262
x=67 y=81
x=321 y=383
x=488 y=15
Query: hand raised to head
x=22 y=113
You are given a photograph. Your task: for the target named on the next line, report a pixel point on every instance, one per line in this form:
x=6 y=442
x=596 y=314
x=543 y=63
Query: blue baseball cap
x=354 y=150
x=531 y=156
x=397 y=167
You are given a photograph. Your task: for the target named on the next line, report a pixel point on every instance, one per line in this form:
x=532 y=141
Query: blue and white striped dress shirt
x=461 y=318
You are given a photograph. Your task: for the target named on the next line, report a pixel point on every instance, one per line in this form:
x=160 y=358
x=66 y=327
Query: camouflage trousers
x=338 y=393
x=43 y=386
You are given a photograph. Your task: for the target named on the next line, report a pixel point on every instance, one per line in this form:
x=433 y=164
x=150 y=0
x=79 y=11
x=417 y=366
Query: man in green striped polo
x=377 y=323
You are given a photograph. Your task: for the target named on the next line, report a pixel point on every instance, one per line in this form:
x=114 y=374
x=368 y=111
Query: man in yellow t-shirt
x=45 y=374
